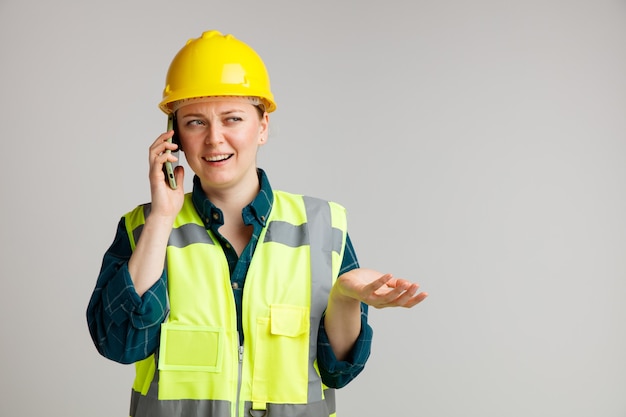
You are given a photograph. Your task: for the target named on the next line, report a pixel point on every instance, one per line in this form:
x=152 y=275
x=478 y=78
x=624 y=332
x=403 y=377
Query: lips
x=218 y=158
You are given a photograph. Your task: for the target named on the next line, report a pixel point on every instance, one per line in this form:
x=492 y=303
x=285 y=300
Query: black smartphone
x=168 y=167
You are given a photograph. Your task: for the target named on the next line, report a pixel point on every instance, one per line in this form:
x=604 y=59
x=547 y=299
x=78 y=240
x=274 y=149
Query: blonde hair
x=176 y=105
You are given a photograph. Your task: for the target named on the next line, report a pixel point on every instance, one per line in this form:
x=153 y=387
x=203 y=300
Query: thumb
x=179 y=174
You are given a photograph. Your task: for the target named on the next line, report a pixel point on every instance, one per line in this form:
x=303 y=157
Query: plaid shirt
x=125 y=327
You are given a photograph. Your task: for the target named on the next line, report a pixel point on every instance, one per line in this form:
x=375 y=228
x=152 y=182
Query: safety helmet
x=216 y=65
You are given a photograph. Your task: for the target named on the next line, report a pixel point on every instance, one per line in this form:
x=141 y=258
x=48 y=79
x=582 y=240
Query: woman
x=170 y=295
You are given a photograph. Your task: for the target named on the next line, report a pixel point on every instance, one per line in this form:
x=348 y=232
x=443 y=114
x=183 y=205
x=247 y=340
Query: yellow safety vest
x=202 y=370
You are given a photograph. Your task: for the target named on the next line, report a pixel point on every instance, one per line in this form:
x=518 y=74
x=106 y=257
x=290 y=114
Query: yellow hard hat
x=216 y=65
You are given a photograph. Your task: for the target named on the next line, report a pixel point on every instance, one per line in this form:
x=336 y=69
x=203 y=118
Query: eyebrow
x=222 y=113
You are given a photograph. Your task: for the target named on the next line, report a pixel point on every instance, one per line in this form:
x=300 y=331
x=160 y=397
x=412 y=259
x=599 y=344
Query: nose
x=214 y=134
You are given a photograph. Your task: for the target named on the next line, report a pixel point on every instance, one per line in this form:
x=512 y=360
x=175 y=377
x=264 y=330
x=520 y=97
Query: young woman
x=233 y=299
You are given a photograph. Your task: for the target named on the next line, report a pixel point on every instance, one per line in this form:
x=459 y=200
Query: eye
x=195 y=122
x=234 y=119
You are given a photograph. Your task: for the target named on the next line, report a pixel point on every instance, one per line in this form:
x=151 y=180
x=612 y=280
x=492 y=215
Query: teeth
x=216 y=158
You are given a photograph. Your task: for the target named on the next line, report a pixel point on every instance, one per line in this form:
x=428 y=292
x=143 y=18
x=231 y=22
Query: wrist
x=340 y=298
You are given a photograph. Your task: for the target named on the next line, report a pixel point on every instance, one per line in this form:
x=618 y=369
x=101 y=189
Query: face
x=220 y=139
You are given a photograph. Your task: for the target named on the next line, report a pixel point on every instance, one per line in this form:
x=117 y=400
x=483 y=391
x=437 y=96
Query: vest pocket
x=281 y=359
x=288 y=320
x=191 y=348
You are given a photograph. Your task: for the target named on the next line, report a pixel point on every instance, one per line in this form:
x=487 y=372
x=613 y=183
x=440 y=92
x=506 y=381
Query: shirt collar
x=257 y=211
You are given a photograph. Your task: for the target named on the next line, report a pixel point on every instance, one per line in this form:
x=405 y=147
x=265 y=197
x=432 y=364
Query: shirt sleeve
x=336 y=373
x=124 y=327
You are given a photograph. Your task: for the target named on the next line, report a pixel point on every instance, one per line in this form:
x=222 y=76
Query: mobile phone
x=168 y=167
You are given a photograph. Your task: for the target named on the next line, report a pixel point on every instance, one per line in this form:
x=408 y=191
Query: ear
x=264 y=128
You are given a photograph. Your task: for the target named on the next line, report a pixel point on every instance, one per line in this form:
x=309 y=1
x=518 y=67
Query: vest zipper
x=239 y=377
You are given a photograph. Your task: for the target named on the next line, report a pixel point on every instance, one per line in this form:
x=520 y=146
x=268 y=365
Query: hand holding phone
x=168 y=167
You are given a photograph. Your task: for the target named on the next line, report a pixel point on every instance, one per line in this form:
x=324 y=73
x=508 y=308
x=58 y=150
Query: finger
x=404 y=295
x=163 y=148
x=162 y=138
x=179 y=174
x=378 y=283
x=389 y=296
x=158 y=160
x=398 y=281
x=410 y=297
x=159 y=152
x=396 y=287
x=402 y=287
x=161 y=144
x=416 y=300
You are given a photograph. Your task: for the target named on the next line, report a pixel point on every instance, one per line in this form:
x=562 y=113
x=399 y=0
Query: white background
x=479 y=147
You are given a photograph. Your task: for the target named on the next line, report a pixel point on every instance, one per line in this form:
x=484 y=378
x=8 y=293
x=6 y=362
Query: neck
x=233 y=199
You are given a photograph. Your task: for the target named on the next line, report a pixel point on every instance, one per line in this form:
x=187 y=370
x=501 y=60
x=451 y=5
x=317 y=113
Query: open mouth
x=217 y=158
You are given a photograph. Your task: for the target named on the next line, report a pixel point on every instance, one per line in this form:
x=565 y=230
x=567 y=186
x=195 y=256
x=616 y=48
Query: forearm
x=148 y=259
x=342 y=322
x=338 y=373
x=124 y=326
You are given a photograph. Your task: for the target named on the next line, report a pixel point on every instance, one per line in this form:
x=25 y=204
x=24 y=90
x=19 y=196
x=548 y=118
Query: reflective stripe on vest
x=208 y=381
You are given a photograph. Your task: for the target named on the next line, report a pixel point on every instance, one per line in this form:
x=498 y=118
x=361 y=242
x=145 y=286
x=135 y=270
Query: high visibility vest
x=199 y=368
